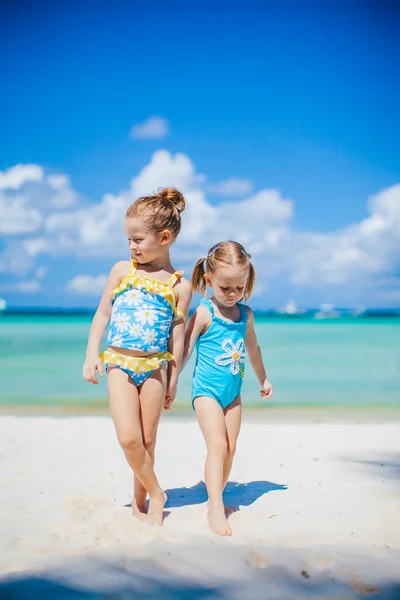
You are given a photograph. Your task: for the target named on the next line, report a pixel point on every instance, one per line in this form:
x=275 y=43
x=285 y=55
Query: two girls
x=146 y=303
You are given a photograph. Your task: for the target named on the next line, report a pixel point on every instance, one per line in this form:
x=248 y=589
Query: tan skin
x=221 y=427
x=136 y=410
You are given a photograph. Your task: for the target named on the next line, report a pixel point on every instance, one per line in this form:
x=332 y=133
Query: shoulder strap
x=174 y=278
x=133 y=266
x=243 y=312
x=207 y=302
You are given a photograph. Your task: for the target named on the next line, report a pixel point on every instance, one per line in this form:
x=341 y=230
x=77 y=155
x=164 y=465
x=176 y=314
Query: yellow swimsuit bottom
x=139 y=368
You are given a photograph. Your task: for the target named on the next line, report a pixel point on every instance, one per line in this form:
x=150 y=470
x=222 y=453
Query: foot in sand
x=139 y=508
x=156 y=508
x=229 y=510
x=217 y=521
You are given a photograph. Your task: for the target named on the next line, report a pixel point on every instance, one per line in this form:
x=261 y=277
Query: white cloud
x=57 y=181
x=358 y=256
x=232 y=187
x=14 y=259
x=16 y=176
x=26 y=197
x=87 y=285
x=16 y=216
x=35 y=246
x=28 y=287
x=41 y=272
x=154 y=128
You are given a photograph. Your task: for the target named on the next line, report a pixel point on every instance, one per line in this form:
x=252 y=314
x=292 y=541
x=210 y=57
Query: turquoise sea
x=330 y=362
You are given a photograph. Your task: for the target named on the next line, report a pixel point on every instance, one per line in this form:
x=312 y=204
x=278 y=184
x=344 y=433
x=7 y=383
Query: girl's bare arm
x=255 y=356
x=100 y=322
x=198 y=324
x=176 y=340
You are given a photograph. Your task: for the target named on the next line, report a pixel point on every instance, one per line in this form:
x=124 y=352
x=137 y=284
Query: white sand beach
x=319 y=513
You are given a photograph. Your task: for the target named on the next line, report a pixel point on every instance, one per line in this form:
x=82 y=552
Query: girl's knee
x=231 y=448
x=150 y=441
x=218 y=447
x=130 y=441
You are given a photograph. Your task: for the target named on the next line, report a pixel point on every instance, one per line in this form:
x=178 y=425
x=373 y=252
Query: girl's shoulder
x=183 y=296
x=246 y=307
x=183 y=287
x=203 y=317
x=122 y=266
x=181 y=282
x=248 y=312
x=121 y=269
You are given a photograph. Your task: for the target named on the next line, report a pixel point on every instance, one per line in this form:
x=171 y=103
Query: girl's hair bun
x=174 y=196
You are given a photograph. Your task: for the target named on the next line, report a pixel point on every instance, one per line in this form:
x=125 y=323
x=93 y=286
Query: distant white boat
x=327 y=311
x=291 y=308
x=358 y=311
x=3 y=304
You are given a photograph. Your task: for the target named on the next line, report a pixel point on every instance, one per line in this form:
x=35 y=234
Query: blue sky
x=291 y=96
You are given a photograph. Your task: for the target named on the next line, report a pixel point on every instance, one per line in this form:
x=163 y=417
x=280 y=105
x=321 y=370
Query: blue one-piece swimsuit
x=219 y=366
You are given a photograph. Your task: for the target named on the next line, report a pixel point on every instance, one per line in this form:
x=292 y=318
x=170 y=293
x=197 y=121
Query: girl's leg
x=151 y=399
x=124 y=406
x=212 y=423
x=149 y=414
x=233 y=421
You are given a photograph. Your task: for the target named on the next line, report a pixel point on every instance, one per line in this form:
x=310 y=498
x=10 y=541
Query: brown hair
x=161 y=211
x=229 y=253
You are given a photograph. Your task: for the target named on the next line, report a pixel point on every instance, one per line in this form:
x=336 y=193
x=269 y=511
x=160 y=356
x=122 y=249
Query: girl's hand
x=170 y=394
x=267 y=389
x=92 y=364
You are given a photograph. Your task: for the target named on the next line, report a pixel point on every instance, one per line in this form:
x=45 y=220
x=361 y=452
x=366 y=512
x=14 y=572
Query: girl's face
x=228 y=284
x=144 y=243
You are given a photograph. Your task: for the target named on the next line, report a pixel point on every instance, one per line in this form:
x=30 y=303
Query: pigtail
x=198 y=281
x=251 y=280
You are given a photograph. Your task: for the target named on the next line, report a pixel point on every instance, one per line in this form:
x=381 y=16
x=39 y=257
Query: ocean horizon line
x=261 y=312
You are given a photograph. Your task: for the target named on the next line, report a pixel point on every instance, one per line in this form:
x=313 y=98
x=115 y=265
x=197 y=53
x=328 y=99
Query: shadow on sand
x=281 y=576
x=235 y=494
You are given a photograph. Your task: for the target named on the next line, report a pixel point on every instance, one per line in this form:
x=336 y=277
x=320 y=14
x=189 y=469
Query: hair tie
x=162 y=197
x=176 y=208
x=212 y=251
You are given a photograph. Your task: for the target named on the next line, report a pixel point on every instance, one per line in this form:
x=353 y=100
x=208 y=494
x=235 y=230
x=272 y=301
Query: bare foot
x=229 y=510
x=139 y=510
x=156 y=507
x=218 y=523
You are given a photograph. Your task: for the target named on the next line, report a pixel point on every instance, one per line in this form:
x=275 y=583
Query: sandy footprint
x=257 y=559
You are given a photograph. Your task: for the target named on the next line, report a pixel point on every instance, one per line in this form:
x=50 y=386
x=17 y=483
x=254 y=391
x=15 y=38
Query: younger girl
x=221 y=328
x=147 y=302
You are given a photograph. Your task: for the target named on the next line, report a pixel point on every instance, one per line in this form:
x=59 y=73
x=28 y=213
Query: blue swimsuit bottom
x=219 y=368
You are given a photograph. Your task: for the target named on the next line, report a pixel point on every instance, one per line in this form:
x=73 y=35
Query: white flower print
x=136 y=330
x=117 y=303
x=116 y=341
x=133 y=297
x=122 y=322
x=234 y=356
x=146 y=315
x=149 y=336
